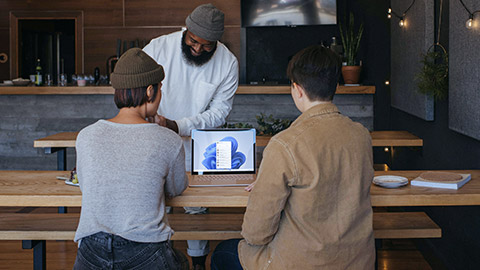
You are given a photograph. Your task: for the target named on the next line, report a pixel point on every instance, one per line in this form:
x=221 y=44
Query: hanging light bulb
x=401 y=23
x=389 y=13
x=469 y=23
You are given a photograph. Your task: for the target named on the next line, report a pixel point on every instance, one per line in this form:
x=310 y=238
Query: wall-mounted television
x=288 y=12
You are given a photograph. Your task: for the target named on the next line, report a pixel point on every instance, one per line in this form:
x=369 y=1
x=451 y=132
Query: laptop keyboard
x=225 y=177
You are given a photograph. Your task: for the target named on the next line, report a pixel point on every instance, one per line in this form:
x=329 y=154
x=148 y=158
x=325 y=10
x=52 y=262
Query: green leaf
x=350 y=38
x=432 y=79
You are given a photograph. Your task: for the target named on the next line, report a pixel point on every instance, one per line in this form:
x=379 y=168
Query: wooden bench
x=35 y=228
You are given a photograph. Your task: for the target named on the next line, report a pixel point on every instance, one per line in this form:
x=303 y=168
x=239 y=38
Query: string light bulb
x=469 y=23
x=402 y=22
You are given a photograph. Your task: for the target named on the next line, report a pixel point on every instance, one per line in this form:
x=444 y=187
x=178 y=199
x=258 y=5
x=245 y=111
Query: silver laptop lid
x=223 y=151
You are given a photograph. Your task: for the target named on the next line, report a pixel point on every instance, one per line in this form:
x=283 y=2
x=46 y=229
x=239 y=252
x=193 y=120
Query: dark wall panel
x=4 y=49
x=464 y=78
x=408 y=43
x=270 y=48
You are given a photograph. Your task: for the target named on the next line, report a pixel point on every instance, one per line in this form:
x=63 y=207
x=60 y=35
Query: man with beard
x=201 y=77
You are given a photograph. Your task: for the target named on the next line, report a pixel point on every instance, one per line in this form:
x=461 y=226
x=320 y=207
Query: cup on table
x=81 y=81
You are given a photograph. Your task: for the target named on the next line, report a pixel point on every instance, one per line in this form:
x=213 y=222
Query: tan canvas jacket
x=310 y=207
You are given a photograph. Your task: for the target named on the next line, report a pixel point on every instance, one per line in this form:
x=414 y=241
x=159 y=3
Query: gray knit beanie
x=206 y=21
x=136 y=69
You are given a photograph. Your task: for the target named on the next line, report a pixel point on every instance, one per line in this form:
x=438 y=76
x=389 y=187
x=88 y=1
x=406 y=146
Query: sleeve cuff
x=183 y=127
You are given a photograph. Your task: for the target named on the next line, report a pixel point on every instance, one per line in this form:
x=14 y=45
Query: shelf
x=285 y=89
x=108 y=90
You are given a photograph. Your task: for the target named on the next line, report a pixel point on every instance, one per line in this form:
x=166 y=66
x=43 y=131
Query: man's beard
x=195 y=60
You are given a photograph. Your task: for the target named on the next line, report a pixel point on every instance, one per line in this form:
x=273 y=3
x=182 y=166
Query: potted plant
x=351 y=43
x=432 y=79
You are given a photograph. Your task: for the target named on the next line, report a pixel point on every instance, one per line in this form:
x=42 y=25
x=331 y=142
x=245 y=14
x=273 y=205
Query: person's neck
x=309 y=104
x=130 y=116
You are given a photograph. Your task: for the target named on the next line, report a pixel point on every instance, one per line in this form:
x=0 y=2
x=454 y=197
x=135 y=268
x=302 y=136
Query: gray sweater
x=125 y=171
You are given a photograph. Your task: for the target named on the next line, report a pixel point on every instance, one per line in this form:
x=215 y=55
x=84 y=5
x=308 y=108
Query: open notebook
x=223 y=157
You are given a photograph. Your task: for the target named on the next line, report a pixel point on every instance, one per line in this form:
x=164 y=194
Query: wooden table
x=40 y=188
x=60 y=141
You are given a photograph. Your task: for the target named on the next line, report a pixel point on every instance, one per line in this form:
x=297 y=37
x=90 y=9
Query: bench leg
x=39 y=253
x=62 y=166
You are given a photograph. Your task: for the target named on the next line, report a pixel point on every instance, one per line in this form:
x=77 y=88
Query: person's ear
x=150 y=92
x=298 y=90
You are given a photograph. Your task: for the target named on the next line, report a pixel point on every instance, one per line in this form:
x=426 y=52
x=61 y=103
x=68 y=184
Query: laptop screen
x=223 y=151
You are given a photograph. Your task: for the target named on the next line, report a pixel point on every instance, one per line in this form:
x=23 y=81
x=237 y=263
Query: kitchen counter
x=108 y=90
x=28 y=113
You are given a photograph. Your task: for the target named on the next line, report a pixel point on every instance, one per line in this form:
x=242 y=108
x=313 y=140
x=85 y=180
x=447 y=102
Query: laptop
x=223 y=157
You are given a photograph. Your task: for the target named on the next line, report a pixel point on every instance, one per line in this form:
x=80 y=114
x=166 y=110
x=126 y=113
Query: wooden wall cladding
x=105 y=21
x=101 y=43
x=464 y=70
x=173 y=13
x=96 y=12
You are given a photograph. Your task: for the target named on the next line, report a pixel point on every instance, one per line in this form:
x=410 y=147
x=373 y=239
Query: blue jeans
x=225 y=256
x=109 y=251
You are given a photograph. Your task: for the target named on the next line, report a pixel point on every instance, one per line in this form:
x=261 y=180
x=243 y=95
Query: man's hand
x=250 y=187
x=164 y=122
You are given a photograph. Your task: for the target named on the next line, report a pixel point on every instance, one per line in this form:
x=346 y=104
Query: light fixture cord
x=404 y=13
x=439 y=23
x=469 y=13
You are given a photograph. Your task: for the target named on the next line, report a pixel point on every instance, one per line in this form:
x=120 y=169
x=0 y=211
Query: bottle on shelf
x=96 y=74
x=62 y=81
x=336 y=47
x=38 y=74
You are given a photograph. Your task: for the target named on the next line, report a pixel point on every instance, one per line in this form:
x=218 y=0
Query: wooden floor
x=393 y=255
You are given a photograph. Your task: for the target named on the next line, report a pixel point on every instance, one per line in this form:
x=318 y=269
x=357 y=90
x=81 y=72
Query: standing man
x=310 y=206
x=201 y=77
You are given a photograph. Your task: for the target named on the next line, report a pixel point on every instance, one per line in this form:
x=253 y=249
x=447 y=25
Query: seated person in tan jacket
x=310 y=206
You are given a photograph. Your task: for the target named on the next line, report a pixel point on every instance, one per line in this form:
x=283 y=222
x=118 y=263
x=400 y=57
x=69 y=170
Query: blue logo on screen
x=210 y=154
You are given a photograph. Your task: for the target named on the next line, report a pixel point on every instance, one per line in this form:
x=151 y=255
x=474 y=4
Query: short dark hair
x=317 y=70
x=133 y=97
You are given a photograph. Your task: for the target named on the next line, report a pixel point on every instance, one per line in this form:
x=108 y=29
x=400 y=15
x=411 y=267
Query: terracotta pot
x=351 y=74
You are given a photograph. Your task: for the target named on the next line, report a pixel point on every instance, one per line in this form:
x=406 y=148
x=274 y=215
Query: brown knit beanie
x=136 y=69
x=206 y=21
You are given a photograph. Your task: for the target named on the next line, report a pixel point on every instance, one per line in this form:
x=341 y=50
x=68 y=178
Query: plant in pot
x=351 y=43
x=432 y=79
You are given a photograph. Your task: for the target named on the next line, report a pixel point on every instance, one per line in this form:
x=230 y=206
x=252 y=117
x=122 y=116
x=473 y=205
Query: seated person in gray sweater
x=126 y=167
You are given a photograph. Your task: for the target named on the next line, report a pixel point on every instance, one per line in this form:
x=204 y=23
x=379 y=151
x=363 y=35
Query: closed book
x=441 y=180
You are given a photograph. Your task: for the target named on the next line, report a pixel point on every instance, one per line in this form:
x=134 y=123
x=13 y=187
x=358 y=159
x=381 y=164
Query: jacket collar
x=317 y=110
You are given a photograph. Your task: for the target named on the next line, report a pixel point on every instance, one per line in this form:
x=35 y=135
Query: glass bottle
x=38 y=75
x=336 y=47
